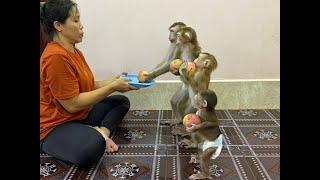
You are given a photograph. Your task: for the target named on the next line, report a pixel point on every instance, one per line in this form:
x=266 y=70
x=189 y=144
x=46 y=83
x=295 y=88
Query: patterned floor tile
x=220 y=168
x=261 y=150
x=142 y=114
x=249 y=114
x=134 y=150
x=261 y=135
x=124 y=167
x=165 y=136
x=81 y=173
x=194 y=151
x=51 y=168
x=251 y=149
x=139 y=122
x=275 y=113
x=272 y=166
x=223 y=122
x=167 y=114
x=232 y=136
x=250 y=168
x=240 y=151
x=164 y=149
x=221 y=114
x=136 y=135
x=166 y=167
x=255 y=123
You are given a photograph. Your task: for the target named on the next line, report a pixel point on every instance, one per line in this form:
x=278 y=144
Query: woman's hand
x=121 y=85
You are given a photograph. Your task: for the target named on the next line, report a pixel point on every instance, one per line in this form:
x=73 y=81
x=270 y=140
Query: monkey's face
x=182 y=38
x=199 y=102
x=203 y=62
x=173 y=33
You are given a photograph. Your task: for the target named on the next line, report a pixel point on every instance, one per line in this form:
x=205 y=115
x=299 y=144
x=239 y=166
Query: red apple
x=175 y=65
x=191 y=68
x=142 y=76
x=190 y=119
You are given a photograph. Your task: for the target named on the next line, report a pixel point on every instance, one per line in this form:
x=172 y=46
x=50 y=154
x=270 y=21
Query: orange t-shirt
x=63 y=75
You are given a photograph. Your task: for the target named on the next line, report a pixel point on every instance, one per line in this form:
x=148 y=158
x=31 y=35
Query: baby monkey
x=207 y=135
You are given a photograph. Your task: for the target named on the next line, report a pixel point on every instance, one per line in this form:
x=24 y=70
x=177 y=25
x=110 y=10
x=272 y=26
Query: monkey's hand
x=193 y=128
x=175 y=71
x=183 y=69
x=174 y=122
x=179 y=131
x=200 y=176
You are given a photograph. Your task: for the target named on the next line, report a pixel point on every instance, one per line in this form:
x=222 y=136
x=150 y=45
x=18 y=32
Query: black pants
x=78 y=143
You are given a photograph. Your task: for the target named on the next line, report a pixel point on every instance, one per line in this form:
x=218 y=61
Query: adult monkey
x=190 y=50
x=172 y=54
x=184 y=46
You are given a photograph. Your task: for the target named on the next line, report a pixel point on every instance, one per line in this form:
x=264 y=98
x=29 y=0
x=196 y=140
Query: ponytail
x=44 y=34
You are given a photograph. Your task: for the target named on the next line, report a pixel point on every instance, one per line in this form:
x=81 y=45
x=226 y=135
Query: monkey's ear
x=207 y=63
x=188 y=35
x=205 y=103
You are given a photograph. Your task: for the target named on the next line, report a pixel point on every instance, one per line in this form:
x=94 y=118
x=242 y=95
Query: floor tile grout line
x=156 y=146
x=244 y=138
x=232 y=158
x=272 y=117
x=143 y=155
x=69 y=172
x=97 y=167
x=178 y=156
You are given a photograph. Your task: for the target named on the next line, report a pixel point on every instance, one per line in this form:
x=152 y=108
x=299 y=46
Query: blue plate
x=135 y=82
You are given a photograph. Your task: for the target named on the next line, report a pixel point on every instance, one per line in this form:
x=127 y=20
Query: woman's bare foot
x=110 y=145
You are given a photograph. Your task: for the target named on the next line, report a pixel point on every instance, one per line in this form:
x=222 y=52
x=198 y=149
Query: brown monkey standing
x=206 y=136
x=195 y=82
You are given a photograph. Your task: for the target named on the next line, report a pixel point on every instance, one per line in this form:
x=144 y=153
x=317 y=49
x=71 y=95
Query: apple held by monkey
x=191 y=119
x=175 y=65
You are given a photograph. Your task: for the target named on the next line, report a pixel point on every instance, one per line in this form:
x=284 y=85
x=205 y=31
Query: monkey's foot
x=192 y=145
x=174 y=122
x=186 y=143
x=183 y=142
x=200 y=176
x=178 y=130
x=193 y=159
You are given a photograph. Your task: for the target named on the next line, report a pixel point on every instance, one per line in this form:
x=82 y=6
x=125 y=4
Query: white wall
x=132 y=35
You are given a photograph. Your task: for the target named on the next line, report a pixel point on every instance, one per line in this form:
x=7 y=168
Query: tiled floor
x=149 y=151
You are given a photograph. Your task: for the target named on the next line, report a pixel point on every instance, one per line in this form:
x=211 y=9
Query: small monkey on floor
x=206 y=135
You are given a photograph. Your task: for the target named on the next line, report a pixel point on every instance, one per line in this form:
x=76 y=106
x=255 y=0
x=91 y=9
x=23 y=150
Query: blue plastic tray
x=135 y=82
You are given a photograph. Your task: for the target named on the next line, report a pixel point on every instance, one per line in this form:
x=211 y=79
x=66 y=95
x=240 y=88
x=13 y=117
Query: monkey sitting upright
x=206 y=135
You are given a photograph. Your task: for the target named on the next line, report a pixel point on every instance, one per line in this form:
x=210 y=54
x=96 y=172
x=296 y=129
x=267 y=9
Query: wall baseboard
x=222 y=80
x=235 y=94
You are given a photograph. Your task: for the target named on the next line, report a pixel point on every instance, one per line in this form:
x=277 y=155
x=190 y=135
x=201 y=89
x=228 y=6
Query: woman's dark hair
x=51 y=11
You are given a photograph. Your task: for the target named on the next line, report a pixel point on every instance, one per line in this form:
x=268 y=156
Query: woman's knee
x=123 y=100
x=91 y=152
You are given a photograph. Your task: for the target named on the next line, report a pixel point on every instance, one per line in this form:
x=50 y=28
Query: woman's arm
x=99 y=84
x=87 y=99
